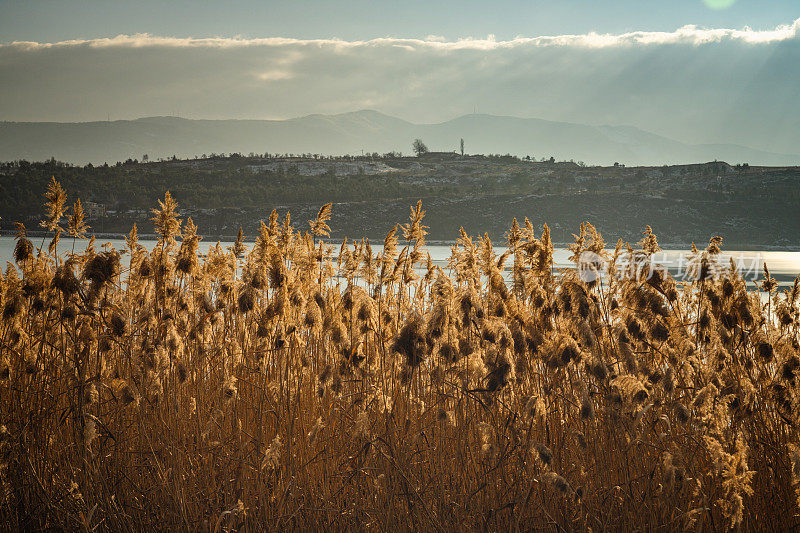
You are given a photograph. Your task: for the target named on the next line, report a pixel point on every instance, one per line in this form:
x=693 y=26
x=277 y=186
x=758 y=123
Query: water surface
x=784 y=266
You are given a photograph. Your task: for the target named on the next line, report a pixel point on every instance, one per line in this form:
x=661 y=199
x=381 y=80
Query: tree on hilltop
x=419 y=147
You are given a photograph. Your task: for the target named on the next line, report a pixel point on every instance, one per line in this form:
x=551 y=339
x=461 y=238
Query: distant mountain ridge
x=350 y=133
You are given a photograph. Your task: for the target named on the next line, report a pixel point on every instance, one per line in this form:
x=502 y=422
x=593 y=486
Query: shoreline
x=34 y=234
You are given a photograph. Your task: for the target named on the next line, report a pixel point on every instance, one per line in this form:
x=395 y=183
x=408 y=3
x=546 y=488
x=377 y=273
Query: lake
x=784 y=266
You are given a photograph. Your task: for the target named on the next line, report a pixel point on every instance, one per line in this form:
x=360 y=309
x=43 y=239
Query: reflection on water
x=784 y=266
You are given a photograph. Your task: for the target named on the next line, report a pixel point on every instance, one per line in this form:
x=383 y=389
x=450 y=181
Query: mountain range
x=354 y=132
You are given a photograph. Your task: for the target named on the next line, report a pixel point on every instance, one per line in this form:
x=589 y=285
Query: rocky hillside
x=751 y=207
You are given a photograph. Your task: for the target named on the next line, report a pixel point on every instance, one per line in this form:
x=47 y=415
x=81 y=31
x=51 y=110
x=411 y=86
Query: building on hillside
x=94 y=210
x=438 y=156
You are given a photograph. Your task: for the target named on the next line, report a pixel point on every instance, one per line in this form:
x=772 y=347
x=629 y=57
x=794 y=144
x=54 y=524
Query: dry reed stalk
x=283 y=387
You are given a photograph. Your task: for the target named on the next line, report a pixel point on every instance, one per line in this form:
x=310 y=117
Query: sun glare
x=719 y=4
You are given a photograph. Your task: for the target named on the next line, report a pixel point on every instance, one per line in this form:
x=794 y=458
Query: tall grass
x=292 y=385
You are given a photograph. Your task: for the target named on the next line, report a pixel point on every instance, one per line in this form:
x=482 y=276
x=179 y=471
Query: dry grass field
x=290 y=385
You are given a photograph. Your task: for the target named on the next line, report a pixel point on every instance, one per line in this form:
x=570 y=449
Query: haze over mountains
x=350 y=133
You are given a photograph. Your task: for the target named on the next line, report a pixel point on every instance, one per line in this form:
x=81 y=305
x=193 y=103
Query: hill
x=356 y=133
x=750 y=207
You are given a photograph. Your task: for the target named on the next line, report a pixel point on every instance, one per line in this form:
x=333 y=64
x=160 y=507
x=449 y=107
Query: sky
x=51 y=21
x=696 y=70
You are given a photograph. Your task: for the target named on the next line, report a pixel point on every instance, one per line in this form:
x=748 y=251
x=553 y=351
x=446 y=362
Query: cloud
x=686 y=35
x=695 y=84
x=275 y=75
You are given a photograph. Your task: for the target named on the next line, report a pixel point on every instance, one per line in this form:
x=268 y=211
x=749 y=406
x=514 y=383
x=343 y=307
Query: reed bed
x=288 y=384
